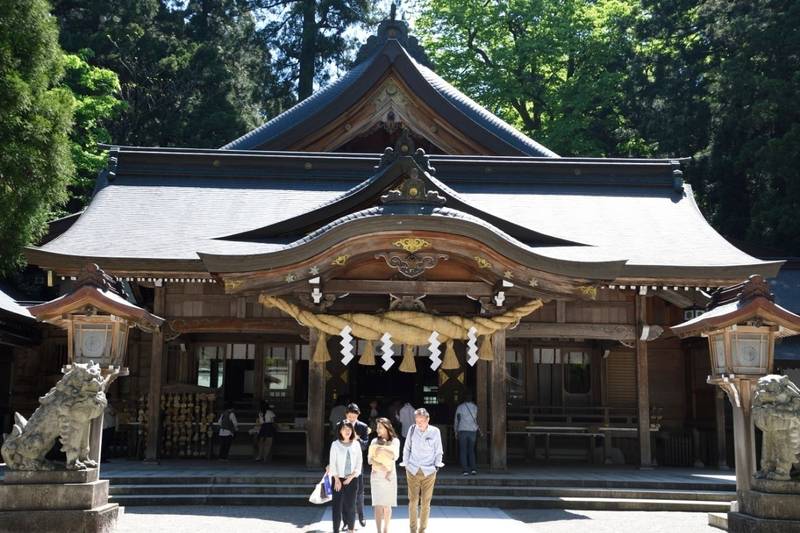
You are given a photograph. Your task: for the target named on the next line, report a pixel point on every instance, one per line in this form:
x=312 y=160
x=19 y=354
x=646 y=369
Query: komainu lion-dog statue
x=776 y=412
x=66 y=412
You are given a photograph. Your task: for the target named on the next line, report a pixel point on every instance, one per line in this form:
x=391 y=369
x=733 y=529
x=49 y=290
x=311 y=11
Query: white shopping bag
x=322 y=492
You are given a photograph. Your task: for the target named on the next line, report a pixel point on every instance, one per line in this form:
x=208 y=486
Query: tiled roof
x=313 y=109
x=165 y=213
x=8 y=304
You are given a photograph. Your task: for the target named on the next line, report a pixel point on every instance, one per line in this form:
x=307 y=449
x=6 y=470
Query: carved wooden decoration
x=411 y=265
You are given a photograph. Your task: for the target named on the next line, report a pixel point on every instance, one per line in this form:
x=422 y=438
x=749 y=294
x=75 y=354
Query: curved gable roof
x=325 y=105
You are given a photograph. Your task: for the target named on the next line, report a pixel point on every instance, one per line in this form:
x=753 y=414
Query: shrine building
x=389 y=239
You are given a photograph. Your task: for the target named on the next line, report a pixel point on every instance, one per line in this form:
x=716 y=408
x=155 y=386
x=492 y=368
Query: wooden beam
x=406 y=287
x=236 y=325
x=481 y=399
x=497 y=397
x=619 y=332
x=315 y=424
x=643 y=386
x=156 y=379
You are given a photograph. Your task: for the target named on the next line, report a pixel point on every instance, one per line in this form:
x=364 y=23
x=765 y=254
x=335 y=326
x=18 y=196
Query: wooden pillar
x=722 y=445
x=497 y=397
x=315 y=424
x=740 y=392
x=481 y=400
x=156 y=376
x=643 y=385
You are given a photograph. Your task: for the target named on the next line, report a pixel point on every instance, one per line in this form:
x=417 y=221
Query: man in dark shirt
x=362 y=434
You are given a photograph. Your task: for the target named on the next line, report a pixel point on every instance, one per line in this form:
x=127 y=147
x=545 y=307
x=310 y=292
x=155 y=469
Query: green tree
x=753 y=156
x=96 y=92
x=313 y=36
x=192 y=73
x=35 y=162
x=554 y=68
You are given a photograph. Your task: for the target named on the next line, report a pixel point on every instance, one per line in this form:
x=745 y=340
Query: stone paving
x=208 y=519
x=202 y=519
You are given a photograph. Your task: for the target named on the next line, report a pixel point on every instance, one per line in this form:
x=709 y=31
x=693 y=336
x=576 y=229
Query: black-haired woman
x=345 y=466
x=266 y=432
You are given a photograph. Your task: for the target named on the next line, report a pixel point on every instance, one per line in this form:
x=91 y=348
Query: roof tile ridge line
x=688 y=192
x=535 y=144
x=349 y=77
x=340 y=197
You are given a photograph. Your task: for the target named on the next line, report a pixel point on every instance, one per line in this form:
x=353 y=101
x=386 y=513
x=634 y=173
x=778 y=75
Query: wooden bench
x=531 y=432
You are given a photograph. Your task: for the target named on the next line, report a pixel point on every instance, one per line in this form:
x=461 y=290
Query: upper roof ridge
x=391 y=28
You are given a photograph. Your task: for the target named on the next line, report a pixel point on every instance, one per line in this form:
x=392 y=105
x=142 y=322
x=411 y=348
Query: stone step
x=718 y=520
x=474 y=491
x=536 y=502
x=480 y=480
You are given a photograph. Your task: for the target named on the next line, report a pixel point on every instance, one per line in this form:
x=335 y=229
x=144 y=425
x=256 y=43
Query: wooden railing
x=591 y=418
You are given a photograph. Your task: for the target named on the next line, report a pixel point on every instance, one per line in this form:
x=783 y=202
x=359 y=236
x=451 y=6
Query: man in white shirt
x=422 y=458
x=227 y=428
x=406 y=418
x=466 y=429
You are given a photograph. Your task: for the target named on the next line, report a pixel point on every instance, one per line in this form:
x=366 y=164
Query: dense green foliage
x=35 y=164
x=554 y=68
x=311 y=36
x=96 y=92
x=714 y=80
x=192 y=74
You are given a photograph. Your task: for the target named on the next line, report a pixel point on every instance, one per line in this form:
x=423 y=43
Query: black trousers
x=344 y=505
x=225 y=446
x=360 y=496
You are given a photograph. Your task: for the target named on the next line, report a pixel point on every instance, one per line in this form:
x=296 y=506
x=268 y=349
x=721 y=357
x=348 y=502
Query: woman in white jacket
x=344 y=466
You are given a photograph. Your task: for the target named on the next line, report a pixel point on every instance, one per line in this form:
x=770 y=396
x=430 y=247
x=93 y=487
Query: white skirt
x=384 y=491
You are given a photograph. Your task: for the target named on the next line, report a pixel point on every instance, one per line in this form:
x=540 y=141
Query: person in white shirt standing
x=344 y=466
x=227 y=429
x=406 y=418
x=466 y=429
x=422 y=458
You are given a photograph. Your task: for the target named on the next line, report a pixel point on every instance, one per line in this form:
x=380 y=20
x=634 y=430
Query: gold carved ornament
x=340 y=260
x=482 y=262
x=412 y=244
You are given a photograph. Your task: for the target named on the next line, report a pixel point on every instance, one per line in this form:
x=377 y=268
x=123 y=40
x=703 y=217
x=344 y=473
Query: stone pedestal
x=768 y=506
x=57 y=501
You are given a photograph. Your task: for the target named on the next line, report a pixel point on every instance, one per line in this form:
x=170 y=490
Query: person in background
x=373 y=413
x=109 y=427
x=266 y=432
x=362 y=436
x=466 y=430
x=422 y=458
x=337 y=414
x=406 y=418
x=227 y=429
x=344 y=466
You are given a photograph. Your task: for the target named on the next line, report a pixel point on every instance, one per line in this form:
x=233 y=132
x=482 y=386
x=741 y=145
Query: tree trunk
x=308 y=50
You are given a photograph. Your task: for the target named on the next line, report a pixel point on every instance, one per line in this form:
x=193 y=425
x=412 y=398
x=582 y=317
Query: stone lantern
x=97 y=318
x=741 y=324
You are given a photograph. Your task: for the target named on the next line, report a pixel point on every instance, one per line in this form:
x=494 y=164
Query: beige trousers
x=420 y=492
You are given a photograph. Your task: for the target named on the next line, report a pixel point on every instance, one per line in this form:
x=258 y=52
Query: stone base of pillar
x=56 y=501
x=769 y=506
